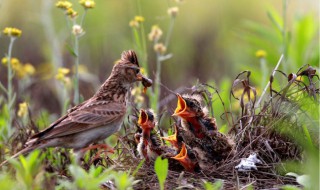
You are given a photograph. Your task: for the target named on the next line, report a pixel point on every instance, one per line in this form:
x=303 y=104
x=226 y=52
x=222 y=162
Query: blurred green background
x=211 y=40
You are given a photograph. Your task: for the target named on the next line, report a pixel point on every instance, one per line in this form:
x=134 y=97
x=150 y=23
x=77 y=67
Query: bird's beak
x=181 y=106
x=140 y=76
x=184 y=160
x=143 y=118
x=145 y=80
x=172 y=138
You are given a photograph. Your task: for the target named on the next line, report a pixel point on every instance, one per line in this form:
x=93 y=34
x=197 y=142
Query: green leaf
x=216 y=186
x=161 y=169
x=289 y=187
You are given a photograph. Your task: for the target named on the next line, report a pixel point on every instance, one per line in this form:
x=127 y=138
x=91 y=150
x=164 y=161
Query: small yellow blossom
x=173 y=11
x=87 y=4
x=63 y=70
x=160 y=48
x=72 y=13
x=14 y=61
x=29 y=69
x=261 y=54
x=155 y=33
x=23 y=109
x=77 y=30
x=12 y=32
x=134 y=24
x=61 y=75
x=64 y=5
x=139 y=18
x=143 y=71
x=19 y=68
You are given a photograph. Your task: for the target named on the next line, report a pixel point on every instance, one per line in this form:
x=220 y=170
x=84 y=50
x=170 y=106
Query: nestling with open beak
x=96 y=118
x=175 y=139
x=150 y=145
x=200 y=131
x=187 y=159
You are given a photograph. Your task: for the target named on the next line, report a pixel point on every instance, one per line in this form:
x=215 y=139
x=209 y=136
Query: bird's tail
x=21 y=152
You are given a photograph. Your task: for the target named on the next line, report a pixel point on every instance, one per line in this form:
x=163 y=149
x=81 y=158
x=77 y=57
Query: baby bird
x=200 y=131
x=176 y=139
x=187 y=159
x=149 y=146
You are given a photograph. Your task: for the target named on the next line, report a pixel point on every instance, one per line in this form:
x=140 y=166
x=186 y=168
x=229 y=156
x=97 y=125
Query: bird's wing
x=87 y=117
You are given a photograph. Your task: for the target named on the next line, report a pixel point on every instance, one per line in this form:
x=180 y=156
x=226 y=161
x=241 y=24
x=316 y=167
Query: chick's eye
x=137 y=71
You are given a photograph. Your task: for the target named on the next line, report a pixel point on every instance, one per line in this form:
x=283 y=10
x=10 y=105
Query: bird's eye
x=137 y=71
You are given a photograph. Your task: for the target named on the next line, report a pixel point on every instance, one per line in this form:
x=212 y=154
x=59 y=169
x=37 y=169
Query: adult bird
x=96 y=118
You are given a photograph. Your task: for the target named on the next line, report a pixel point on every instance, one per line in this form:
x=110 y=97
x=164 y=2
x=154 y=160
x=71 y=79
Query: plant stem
x=83 y=16
x=10 y=96
x=169 y=32
x=76 y=72
x=264 y=70
x=284 y=36
x=272 y=75
x=157 y=89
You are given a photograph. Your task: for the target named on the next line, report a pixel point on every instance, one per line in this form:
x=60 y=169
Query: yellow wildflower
x=173 y=11
x=12 y=32
x=87 y=4
x=14 y=61
x=155 y=33
x=139 y=18
x=64 y=5
x=29 y=69
x=61 y=75
x=19 y=68
x=143 y=71
x=261 y=54
x=160 y=48
x=63 y=70
x=72 y=13
x=23 y=109
x=134 y=24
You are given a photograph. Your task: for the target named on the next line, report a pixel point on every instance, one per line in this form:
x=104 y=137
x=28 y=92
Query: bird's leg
x=105 y=147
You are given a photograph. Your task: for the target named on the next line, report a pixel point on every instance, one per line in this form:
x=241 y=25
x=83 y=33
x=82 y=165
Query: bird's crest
x=129 y=57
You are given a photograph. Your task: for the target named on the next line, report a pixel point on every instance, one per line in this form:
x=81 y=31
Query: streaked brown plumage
x=98 y=117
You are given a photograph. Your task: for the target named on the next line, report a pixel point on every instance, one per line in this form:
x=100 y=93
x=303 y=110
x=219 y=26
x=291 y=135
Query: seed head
x=155 y=33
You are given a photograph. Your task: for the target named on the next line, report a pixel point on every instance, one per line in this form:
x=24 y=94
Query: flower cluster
x=87 y=4
x=12 y=32
x=160 y=48
x=67 y=7
x=61 y=75
x=64 y=5
x=173 y=11
x=21 y=70
x=155 y=33
x=135 y=23
x=23 y=109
